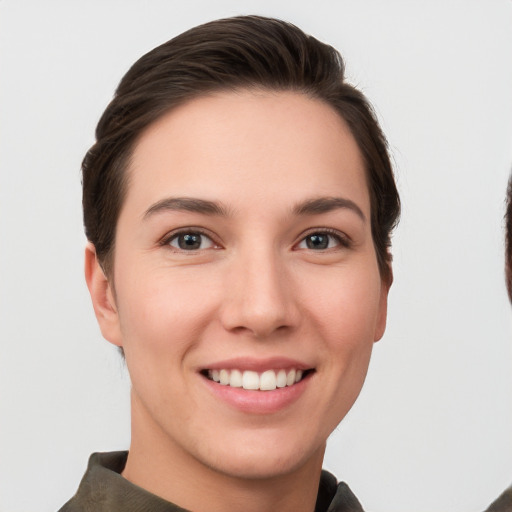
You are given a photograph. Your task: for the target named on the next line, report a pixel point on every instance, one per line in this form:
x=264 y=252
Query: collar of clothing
x=103 y=489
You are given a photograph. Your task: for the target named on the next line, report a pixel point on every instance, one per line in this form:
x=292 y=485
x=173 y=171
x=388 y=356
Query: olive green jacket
x=103 y=489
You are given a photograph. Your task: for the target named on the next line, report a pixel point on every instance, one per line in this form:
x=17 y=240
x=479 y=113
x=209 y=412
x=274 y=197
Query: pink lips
x=258 y=401
x=259 y=365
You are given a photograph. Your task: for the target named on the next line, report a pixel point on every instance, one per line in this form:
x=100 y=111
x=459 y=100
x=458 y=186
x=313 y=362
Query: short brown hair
x=229 y=54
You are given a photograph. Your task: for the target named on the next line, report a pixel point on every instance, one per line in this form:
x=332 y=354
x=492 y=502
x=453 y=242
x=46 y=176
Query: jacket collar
x=103 y=489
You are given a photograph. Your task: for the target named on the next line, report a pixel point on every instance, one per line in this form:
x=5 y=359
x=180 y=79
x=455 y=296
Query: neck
x=160 y=466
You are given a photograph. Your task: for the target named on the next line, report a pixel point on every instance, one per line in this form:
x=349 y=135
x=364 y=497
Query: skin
x=255 y=289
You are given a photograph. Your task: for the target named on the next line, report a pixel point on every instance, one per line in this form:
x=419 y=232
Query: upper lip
x=257 y=365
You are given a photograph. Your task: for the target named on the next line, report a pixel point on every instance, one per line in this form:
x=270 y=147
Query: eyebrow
x=187 y=204
x=327 y=204
x=205 y=207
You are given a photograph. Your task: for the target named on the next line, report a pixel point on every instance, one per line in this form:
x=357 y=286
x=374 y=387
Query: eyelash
x=166 y=241
x=341 y=239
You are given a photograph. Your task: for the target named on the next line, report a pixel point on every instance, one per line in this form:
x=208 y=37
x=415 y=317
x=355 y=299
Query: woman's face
x=244 y=254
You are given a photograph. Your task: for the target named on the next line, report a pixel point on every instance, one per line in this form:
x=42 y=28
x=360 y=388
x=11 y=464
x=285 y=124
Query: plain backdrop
x=432 y=429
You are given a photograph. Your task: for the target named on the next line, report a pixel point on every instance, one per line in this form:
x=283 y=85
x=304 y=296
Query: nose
x=259 y=296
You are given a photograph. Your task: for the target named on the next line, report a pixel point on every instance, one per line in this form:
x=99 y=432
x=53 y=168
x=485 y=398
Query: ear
x=102 y=296
x=382 y=314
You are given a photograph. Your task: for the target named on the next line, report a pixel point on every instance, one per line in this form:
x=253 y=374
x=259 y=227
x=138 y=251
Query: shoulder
x=103 y=472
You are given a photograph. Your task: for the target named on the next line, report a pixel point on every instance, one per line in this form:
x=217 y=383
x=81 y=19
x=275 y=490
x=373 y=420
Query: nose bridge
x=260 y=298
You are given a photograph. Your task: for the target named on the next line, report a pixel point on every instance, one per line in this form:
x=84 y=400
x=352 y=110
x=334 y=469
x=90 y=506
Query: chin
x=264 y=460
x=261 y=468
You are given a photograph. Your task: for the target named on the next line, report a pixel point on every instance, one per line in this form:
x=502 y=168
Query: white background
x=432 y=430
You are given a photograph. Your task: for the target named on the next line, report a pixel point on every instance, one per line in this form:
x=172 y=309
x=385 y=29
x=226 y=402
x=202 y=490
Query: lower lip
x=258 y=402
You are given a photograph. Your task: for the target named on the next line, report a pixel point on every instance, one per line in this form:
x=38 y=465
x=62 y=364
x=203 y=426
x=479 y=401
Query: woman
x=238 y=202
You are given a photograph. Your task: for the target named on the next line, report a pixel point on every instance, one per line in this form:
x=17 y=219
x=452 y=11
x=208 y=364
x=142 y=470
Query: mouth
x=268 y=380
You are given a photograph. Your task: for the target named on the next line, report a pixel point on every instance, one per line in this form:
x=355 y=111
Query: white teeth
x=266 y=381
x=235 y=380
x=250 y=380
x=281 y=379
x=224 y=377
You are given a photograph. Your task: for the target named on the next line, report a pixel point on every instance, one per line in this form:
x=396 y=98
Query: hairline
x=126 y=161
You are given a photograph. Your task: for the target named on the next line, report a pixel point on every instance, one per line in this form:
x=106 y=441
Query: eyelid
x=168 y=237
x=344 y=240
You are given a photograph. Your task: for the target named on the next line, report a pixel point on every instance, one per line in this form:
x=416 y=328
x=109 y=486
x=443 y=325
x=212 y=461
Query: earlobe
x=380 y=326
x=102 y=296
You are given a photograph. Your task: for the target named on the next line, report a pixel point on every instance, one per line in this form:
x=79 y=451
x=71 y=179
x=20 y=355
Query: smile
x=268 y=380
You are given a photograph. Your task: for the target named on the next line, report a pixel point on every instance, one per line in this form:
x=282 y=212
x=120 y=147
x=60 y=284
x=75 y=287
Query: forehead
x=244 y=143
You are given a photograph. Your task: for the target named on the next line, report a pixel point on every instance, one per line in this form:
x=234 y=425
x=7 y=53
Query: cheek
x=162 y=319
x=164 y=311
x=346 y=306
